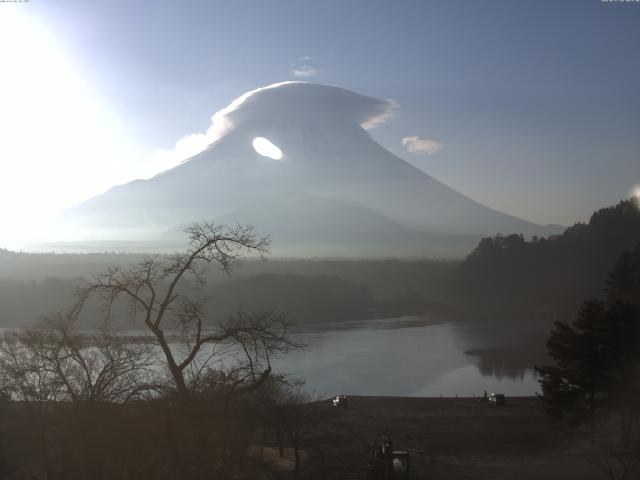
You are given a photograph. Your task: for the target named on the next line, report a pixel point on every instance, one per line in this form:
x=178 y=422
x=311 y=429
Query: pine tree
x=597 y=356
x=577 y=387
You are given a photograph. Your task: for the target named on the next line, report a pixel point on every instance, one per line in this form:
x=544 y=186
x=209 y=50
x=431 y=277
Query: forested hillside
x=510 y=277
x=308 y=291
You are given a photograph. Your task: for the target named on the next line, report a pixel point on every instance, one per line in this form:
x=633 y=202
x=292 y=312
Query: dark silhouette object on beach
x=385 y=463
x=340 y=401
x=484 y=398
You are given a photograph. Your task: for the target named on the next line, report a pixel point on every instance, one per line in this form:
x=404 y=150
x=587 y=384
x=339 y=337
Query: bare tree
x=293 y=419
x=69 y=379
x=25 y=377
x=163 y=292
x=64 y=382
x=58 y=362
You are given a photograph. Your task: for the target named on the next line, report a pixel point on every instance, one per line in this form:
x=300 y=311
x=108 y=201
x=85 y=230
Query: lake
x=406 y=356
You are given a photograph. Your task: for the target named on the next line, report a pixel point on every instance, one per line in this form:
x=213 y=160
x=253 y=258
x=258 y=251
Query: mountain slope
x=326 y=151
x=304 y=224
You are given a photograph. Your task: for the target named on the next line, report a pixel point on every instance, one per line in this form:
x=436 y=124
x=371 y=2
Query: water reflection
x=404 y=357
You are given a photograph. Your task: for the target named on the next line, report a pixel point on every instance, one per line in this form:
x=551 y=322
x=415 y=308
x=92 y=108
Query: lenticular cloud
x=308 y=101
x=283 y=102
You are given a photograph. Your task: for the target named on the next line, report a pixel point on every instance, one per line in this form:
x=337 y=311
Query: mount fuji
x=326 y=188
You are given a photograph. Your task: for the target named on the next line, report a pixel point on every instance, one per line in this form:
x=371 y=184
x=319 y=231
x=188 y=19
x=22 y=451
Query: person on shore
x=381 y=462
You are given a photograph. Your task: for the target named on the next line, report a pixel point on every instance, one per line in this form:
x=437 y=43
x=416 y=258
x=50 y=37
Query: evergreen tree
x=576 y=387
x=597 y=357
x=623 y=283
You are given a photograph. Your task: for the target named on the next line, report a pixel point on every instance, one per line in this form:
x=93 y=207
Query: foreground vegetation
x=78 y=405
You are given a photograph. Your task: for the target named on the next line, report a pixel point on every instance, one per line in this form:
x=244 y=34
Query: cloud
x=304 y=71
x=190 y=145
x=385 y=110
x=421 y=146
x=323 y=102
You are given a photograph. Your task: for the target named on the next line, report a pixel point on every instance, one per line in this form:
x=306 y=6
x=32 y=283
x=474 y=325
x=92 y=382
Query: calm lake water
x=401 y=357
x=407 y=356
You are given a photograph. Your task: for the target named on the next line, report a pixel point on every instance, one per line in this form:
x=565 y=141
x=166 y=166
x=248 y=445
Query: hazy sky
x=532 y=108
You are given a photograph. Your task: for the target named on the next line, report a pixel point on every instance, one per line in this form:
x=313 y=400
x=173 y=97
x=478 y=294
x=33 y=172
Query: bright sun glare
x=267 y=149
x=57 y=142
